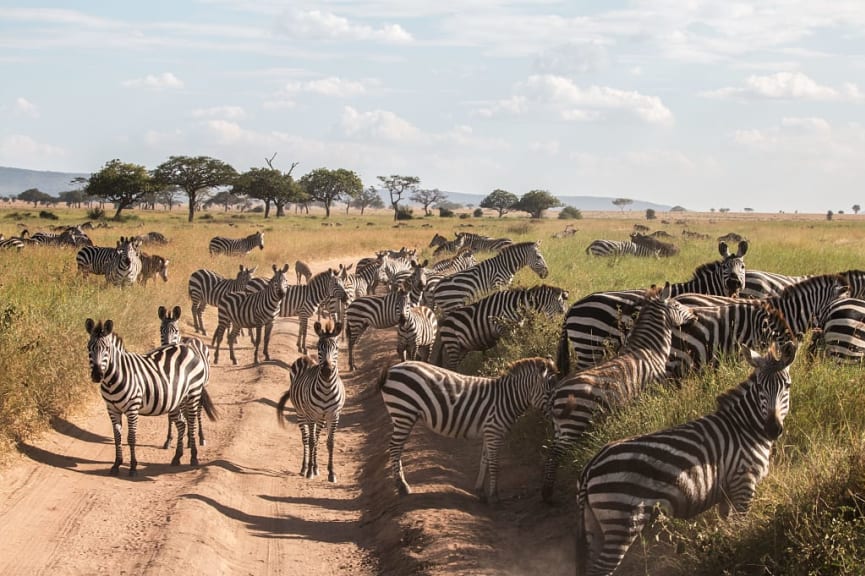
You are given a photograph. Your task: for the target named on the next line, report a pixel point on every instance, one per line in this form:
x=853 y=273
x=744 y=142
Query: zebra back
x=94 y=259
x=841 y=331
x=235 y=246
x=761 y=284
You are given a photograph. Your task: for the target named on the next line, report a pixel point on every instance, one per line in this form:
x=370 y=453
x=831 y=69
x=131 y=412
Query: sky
x=698 y=103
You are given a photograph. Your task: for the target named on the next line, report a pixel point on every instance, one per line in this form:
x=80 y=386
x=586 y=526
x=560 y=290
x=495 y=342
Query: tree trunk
x=117 y=213
x=280 y=210
x=395 y=206
x=191 y=207
x=267 y=208
x=327 y=209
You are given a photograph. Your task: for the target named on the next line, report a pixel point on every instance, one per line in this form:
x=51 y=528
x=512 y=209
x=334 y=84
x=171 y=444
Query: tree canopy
x=396 y=186
x=535 y=202
x=427 y=198
x=500 y=200
x=622 y=202
x=368 y=198
x=266 y=184
x=196 y=176
x=328 y=186
x=122 y=183
x=36 y=196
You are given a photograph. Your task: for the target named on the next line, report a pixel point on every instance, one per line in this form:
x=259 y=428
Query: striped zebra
x=450 y=246
x=153 y=265
x=437 y=240
x=236 y=246
x=491 y=274
x=208 y=287
x=685 y=470
x=583 y=395
x=479 y=326
x=250 y=310
x=840 y=332
x=479 y=243
x=94 y=259
x=13 y=242
x=375 y=311
x=855 y=280
x=303 y=271
x=168 y=380
x=462 y=260
x=760 y=284
x=318 y=396
x=651 y=242
x=452 y=404
x=169 y=333
x=304 y=300
x=71 y=236
x=416 y=332
x=615 y=248
x=596 y=324
x=124 y=268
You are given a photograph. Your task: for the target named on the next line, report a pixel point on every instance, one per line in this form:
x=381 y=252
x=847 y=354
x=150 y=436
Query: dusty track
x=246 y=510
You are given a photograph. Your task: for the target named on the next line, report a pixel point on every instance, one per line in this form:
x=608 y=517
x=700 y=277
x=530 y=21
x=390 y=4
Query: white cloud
x=788 y=86
x=26 y=108
x=377 y=125
x=226 y=112
x=330 y=86
x=318 y=25
x=19 y=150
x=155 y=82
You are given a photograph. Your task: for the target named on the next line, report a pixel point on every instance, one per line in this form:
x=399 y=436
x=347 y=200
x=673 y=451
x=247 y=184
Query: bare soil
x=246 y=510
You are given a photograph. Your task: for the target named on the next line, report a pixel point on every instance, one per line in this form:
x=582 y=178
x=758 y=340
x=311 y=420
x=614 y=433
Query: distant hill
x=14 y=181
x=588 y=203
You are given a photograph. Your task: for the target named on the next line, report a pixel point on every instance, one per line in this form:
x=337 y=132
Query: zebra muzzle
x=96 y=374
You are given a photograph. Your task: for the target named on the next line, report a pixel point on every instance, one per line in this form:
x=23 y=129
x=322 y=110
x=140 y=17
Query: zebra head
x=535 y=259
x=279 y=281
x=100 y=348
x=259 y=237
x=764 y=398
x=733 y=267
x=677 y=313
x=244 y=275
x=169 y=331
x=548 y=299
x=126 y=250
x=328 y=347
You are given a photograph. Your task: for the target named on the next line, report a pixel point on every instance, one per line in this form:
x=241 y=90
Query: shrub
x=446 y=212
x=478 y=213
x=650 y=214
x=570 y=213
x=464 y=216
x=48 y=215
x=96 y=213
x=404 y=213
x=829 y=215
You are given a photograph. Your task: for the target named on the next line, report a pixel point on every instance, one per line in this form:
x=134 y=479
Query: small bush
x=650 y=214
x=829 y=215
x=256 y=210
x=570 y=213
x=48 y=215
x=404 y=213
x=96 y=213
x=446 y=212
x=464 y=216
x=478 y=213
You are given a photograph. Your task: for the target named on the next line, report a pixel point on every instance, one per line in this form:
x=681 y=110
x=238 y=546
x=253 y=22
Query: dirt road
x=246 y=510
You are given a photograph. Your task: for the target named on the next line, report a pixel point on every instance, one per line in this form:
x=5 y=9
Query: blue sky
x=704 y=104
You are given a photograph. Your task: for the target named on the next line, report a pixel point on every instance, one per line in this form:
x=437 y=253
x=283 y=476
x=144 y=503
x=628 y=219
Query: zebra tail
x=563 y=354
x=280 y=408
x=209 y=406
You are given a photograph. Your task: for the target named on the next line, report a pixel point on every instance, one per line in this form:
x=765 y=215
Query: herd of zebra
x=613 y=345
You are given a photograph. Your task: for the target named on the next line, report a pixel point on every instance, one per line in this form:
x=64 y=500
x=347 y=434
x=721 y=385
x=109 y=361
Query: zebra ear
x=788 y=354
x=241 y=268
x=161 y=312
x=88 y=325
x=285 y=269
x=666 y=291
x=743 y=248
x=175 y=313
x=108 y=327
x=274 y=268
x=751 y=356
x=723 y=249
x=317 y=327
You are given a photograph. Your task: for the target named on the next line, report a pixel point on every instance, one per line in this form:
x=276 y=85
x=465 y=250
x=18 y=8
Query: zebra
x=71 y=236
x=94 y=259
x=491 y=274
x=760 y=284
x=416 y=332
x=168 y=380
x=376 y=311
x=208 y=287
x=617 y=248
x=597 y=323
x=582 y=395
x=304 y=300
x=840 y=332
x=124 y=268
x=11 y=242
x=855 y=280
x=236 y=246
x=480 y=325
x=685 y=470
x=250 y=310
x=437 y=240
x=459 y=406
x=651 y=242
x=450 y=246
x=153 y=238
x=463 y=259
x=479 y=243
x=169 y=333
x=153 y=265
x=318 y=396
x=303 y=271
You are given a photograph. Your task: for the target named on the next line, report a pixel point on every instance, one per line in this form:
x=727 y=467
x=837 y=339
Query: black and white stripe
x=613 y=248
x=318 y=396
x=255 y=310
x=168 y=380
x=236 y=246
x=596 y=324
x=124 y=268
x=208 y=287
x=153 y=265
x=480 y=243
x=583 y=395
x=459 y=406
x=497 y=272
x=416 y=332
x=840 y=334
x=760 y=284
x=479 y=326
x=94 y=259
x=685 y=470
x=304 y=300
x=376 y=311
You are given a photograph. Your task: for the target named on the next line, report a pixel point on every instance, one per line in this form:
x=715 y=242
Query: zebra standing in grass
x=479 y=326
x=236 y=246
x=840 y=332
x=683 y=471
x=153 y=265
x=479 y=243
x=375 y=311
x=491 y=274
x=416 y=332
x=208 y=287
x=581 y=396
x=452 y=404
x=597 y=323
x=94 y=259
x=250 y=310
x=169 y=333
x=304 y=300
x=124 y=268
x=168 y=380
x=318 y=396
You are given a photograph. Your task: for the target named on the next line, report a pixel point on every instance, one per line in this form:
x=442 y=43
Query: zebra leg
x=232 y=338
x=200 y=429
x=268 y=329
x=180 y=422
x=256 y=342
x=312 y=471
x=482 y=473
x=168 y=437
x=191 y=414
x=305 y=439
x=550 y=468
x=352 y=340
x=492 y=453
x=216 y=343
x=117 y=427
x=301 y=333
x=331 y=473
x=398 y=438
x=132 y=422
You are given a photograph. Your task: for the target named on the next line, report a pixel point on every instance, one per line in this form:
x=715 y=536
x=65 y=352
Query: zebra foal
x=168 y=380
x=452 y=404
x=685 y=470
x=235 y=246
x=318 y=396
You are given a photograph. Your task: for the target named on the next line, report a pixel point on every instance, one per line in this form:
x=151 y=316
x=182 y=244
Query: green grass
x=807 y=517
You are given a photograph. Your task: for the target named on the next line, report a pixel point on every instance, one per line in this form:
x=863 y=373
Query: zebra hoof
x=114 y=471
x=167 y=444
x=201 y=442
x=175 y=461
x=403 y=489
x=331 y=477
x=193 y=462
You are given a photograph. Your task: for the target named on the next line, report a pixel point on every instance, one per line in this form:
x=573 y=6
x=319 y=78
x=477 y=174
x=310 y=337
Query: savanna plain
x=246 y=510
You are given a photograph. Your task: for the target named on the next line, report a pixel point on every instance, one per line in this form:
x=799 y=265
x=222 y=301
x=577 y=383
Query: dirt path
x=246 y=510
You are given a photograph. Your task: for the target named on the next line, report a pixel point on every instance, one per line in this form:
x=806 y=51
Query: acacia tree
x=398 y=185
x=535 y=202
x=122 y=183
x=226 y=199
x=622 y=202
x=368 y=197
x=427 y=198
x=195 y=176
x=328 y=186
x=36 y=196
x=500 y=200
x=265 y=184
x=856 y=208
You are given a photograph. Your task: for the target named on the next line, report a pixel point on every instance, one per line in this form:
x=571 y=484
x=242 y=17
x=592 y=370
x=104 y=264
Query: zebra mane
x=532 y=361
x=779 y=315
x=318 y=277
